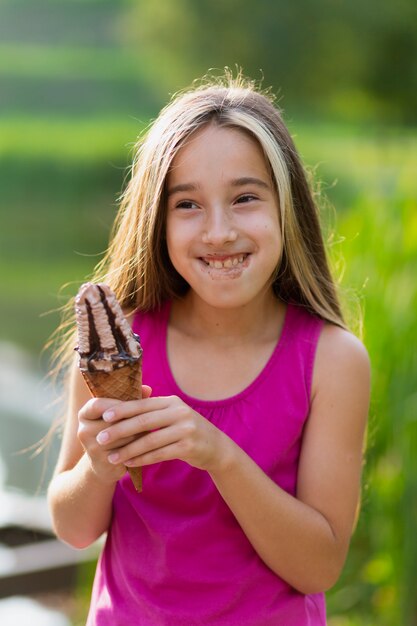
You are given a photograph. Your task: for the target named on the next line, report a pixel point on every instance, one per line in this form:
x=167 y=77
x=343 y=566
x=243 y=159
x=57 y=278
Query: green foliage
x=68 y=57
x=67 y=141
x=40 y=61
x=351 y=60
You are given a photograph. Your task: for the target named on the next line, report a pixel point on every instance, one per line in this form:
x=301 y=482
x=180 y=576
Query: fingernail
x=103 y=437
x=108 y=416
x=113 y=458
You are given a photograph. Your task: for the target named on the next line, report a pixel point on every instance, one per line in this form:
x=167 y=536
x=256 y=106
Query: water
x=28 y=612
x=27 y=408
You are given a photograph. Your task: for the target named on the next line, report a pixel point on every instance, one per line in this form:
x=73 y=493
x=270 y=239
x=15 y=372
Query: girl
x=252 y=423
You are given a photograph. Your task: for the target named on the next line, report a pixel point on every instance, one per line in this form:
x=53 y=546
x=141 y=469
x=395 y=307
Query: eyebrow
x=236 y=182
x=182 y=187
x=249 y=180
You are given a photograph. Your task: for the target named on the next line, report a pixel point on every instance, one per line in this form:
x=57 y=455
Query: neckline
x=193 y=401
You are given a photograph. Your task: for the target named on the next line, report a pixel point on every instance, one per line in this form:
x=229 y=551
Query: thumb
x=146 y=391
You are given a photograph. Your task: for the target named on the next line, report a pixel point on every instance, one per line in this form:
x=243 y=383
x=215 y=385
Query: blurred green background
x=80 y=79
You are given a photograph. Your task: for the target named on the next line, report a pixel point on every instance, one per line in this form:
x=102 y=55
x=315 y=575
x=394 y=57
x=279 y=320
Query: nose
x=219 y=227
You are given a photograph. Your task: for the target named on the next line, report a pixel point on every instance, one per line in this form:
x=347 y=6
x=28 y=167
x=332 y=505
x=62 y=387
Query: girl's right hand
x=90 y=424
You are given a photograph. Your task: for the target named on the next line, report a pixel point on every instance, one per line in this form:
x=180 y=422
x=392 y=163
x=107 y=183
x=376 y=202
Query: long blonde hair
x=137 y=265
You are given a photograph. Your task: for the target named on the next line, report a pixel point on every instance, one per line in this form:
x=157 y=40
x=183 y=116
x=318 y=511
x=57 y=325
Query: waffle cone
x=123 y=383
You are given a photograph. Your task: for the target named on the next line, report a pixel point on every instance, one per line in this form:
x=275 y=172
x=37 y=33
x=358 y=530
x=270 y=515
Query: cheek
x=271 y=240
x=173 y=236
x=268 y=231
x=178 y=241
x=172 y=251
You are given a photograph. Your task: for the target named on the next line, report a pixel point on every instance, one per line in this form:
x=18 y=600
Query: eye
x=186 y=204
x=247 y=197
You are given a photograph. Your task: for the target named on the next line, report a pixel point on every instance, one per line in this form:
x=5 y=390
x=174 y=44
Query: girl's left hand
x=164 y=428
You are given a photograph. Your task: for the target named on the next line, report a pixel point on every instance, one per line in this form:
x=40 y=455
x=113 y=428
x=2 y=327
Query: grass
x=378 y=226
x=67 y=62
x=68 y=140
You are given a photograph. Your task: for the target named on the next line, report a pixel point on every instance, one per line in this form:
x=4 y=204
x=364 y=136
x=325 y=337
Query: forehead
x=219 y=147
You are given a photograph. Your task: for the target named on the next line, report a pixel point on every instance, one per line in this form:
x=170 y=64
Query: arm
x=81 y=491
x=305 y=539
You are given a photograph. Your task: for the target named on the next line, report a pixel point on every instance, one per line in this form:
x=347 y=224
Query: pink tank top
x=175 y=554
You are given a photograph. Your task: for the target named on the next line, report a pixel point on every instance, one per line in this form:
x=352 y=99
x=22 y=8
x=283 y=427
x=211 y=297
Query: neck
x=195 y=317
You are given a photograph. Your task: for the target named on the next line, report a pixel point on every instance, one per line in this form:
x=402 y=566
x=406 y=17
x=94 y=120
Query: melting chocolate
x=93 y=336
x=110 y=341
x=118 y=336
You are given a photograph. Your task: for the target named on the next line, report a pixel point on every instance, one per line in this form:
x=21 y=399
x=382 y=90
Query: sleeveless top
x=175 y=554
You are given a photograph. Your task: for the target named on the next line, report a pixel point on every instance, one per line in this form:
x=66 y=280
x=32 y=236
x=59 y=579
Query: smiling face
x=223 y=232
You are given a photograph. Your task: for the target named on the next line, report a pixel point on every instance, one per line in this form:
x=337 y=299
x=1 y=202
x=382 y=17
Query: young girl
x=252 y=423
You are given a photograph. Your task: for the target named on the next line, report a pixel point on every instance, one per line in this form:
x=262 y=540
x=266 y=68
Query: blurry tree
x=351 y=60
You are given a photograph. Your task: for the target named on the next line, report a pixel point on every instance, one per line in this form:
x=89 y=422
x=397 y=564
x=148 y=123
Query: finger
x=151 y=442
x=123 y=410
x=146 y=391
x=95 y=407
x=167 y=453
x=108 y=445
x=135 y=425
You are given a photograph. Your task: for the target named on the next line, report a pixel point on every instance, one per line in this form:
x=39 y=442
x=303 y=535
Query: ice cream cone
x=110 y=353
x=123 y=383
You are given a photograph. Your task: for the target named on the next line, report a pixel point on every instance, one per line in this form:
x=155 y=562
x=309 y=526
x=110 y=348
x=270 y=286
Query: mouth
x=228 y=262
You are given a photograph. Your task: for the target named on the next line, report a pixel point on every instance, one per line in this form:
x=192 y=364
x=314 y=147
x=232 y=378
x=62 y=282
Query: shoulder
x=336 y=342
x=342 y=362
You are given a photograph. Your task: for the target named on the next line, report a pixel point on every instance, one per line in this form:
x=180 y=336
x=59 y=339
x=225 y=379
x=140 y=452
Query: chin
x=226 y=300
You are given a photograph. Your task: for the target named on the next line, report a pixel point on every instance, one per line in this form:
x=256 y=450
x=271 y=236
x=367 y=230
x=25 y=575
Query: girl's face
x=223 y=230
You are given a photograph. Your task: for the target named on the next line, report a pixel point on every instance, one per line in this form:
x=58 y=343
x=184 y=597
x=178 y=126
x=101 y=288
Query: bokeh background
x=80 y=79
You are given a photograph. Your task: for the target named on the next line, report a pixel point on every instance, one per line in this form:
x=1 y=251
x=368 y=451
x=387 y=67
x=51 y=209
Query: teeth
x=228 y=263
